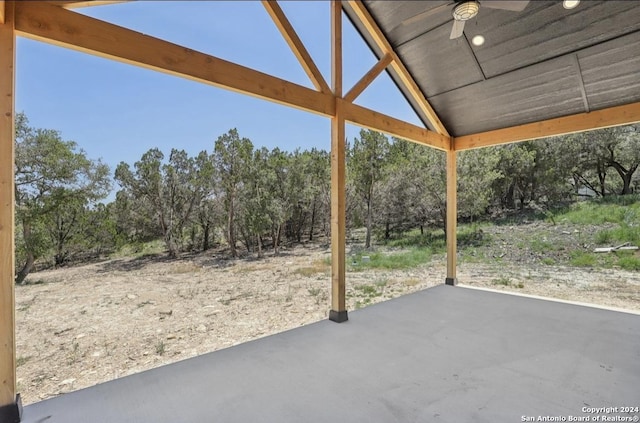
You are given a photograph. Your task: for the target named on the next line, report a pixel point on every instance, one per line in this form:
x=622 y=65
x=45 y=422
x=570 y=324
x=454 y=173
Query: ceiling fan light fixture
x=570 y=4
x=465 y=11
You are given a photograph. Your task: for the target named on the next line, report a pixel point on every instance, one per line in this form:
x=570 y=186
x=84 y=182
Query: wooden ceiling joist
x=613 y=116
x=383 y=44
x=368 y=78
x=296 y=45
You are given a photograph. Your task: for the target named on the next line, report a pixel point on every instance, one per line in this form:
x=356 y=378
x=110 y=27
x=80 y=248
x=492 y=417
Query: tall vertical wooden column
x=452 y=217
x=338 y=311
x=9 y=409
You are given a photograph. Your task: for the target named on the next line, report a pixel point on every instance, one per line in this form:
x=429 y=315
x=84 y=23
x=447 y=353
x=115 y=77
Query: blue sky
x=117 y=112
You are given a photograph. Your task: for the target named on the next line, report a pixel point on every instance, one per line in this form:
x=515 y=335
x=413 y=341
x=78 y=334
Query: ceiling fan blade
x=422 y=15
x=512 y=5
x=457 y=30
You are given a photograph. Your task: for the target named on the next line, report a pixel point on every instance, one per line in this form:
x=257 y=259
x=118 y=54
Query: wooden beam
x=296 y=45
x=69 y=4
x=368 y=118
x=613 y=116
x=2 y=7
x=452 y=217
x=368 y=78
x=338 y=311
x=7 y=201
x=336 y=48
x=52 y=24
x=407 y=80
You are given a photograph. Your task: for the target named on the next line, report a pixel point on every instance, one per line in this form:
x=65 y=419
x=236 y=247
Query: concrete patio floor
x=445 y=354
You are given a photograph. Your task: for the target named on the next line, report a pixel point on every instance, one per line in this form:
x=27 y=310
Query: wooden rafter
x=52 y=24
x=613 y=116
x=368 y=78
x=7 y=201
x=296 y=45
x=69 y=4
x=407 y=80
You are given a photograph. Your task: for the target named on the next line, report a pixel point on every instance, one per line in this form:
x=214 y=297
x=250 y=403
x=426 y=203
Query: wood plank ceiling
x=542 y=63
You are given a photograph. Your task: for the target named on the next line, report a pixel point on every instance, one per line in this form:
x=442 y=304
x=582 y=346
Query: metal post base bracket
x=338 y=316
x=451 y=281
x=11 y=413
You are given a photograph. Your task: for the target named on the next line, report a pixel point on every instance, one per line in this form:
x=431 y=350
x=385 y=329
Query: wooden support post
x=9 y=402
x=452 y=217
x=338 y=311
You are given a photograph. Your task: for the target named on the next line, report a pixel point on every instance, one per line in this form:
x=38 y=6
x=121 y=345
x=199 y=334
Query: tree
x=429 y=172
x=53 y=177
x=416 y=185
x=280 y=205
x=592 y=154
x=620 y=150
x=477 y=170
x=64 y=226
x=169 y=191
x=208 y=208
x=298 y=193
x=99 y=229
x=318 y=187
x=231 y=158
x=366 y=159
x=398 y=194
x=257 y=197
x=517 y=167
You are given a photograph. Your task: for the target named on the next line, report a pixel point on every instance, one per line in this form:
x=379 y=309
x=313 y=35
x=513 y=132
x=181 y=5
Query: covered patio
x=450 y=354
x=444 y=354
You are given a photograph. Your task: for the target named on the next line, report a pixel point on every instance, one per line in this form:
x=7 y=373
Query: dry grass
x=316 y=267
x=182 y=268
x=411 y=282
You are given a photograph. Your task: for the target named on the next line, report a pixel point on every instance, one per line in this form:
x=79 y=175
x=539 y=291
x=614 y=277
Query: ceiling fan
x=465 y=10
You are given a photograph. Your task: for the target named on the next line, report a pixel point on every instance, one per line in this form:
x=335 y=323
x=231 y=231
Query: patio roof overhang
x=542 y=72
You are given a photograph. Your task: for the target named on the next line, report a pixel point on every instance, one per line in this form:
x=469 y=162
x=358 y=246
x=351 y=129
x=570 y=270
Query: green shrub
x=368 y=290
x=503 y=280
x=472 y=235
x=629 y=263
x=433 y=240
x=612 y=209
x=540 y=246
x=402 y=260
x=623 y=233
x=582 y=259
x=604 y=237
x=628 y=260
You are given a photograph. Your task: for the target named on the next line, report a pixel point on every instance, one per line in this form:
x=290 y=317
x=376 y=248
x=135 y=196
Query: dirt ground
x=80 y=326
